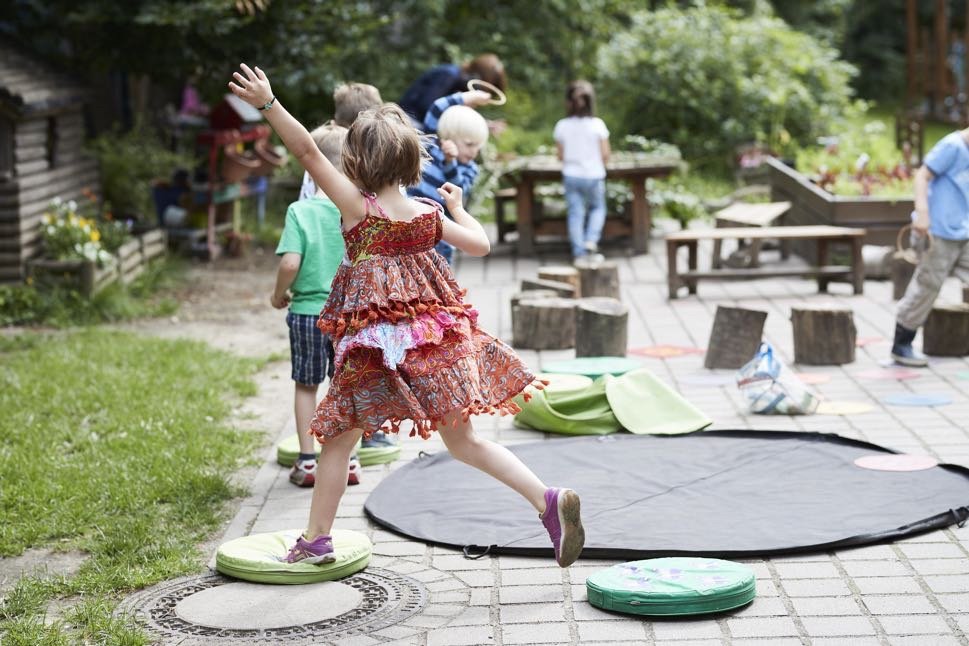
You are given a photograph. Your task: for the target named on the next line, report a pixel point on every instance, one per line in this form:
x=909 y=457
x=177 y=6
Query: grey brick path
x=911 y=592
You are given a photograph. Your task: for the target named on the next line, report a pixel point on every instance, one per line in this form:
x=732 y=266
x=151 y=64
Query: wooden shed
x=41 y=156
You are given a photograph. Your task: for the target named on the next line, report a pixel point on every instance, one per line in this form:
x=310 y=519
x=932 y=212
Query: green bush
x=708 y=79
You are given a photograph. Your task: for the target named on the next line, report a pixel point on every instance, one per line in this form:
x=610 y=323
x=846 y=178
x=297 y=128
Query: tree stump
x=735 y=337
x=824 y=335
x=562 y=289
x=600 y=327
x=901 y=269
x=533 y=294
x=561 y=274
x=597 y=277
x=946 y=331
x=544 y=324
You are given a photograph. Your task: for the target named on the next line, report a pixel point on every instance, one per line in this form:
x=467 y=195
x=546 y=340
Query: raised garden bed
x=810 y=204
x=88 y=279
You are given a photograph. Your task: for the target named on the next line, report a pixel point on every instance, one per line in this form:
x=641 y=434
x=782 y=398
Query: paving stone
x=476 y=578
x=920 y=640
x=480 y=597
x=530 y=594
x=840 y=641
x=820 y=606
x=544 y=633
x=543 y=576
x=612 y=630
x=814 y=587
x=762 y=607
x=875 y=568
x=461 y=636
x=452 y=562
x=585 y=611
x=956 y=603
x=762 y=627
x=933 y=551
x=688 y=642
x=807 y=570
x=947 y=583
x=396 y=632
x=900 y=604
x=474 y=616
x=940 y=566
x=837 y=626
x=868 y=553
x=776 y=641
x=532 y=613
x=703 y=628
x=914 y=625
x=887 y=585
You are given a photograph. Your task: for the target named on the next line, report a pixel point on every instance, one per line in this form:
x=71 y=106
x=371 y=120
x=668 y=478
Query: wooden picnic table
x=633 y=168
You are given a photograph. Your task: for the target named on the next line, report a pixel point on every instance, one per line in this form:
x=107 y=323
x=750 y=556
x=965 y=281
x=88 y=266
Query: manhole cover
x=218 y=610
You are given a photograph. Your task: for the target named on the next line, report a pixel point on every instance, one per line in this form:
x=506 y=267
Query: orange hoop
x=499 y=96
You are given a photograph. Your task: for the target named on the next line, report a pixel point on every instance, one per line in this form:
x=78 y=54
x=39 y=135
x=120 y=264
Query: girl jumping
x=407 y=345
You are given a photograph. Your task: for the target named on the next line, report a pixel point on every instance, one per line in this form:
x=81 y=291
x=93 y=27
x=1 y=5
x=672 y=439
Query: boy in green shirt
x=311 y=247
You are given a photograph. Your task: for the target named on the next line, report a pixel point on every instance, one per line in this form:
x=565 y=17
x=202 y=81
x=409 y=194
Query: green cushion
x=288 y=450
x=672 y=586
x=259 y=558
x=568 y=410
x=562 y=385
x=593 y=366
x=644 y=404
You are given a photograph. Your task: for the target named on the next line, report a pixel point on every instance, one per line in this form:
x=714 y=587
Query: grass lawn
x=116 y=447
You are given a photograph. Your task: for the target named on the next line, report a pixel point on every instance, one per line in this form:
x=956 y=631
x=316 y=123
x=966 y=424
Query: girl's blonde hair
x=383 y=148
x=329 y=139
x=580 y=99
x=463 y=122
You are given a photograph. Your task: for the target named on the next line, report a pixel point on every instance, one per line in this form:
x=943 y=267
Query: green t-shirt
x=312 y=230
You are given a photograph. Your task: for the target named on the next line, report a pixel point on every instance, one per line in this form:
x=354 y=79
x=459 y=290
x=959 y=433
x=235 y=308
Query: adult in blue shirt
x=443 y=80
x=942 y=210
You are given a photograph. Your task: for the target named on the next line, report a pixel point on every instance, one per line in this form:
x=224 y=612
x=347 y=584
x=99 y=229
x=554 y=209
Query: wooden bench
x=823 y=235
x=743 y=214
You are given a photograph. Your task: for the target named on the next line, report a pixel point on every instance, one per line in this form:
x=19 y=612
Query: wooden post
x=824 y=335
x=600 y=327
x=946 y=331
x=561 y=274
x=544 y=324
x=562 y=289
x=735 y=337
x=597 y=277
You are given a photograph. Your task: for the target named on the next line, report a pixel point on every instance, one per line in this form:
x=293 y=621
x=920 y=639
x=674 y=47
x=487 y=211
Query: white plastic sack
x=771 y=388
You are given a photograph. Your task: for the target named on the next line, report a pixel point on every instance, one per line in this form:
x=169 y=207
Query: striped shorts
x=311 y=351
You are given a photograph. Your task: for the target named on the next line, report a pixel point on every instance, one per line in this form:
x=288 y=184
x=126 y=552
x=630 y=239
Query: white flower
x=56 y=202
x=72 y=205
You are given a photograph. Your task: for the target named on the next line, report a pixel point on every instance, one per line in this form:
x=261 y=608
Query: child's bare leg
x=304 y=406
x=492 y=458
x=331 y=482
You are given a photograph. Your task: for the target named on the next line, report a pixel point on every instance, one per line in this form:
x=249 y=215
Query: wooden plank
x=23 y=169
x=756 y=214
x=29 y=153
x=127 y=277
x=154 y=250
x=768 y=272
x=133 y=246
x=809 y=231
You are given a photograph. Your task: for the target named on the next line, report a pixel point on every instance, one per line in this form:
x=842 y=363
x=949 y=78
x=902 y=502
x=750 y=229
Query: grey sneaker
x=561 y=519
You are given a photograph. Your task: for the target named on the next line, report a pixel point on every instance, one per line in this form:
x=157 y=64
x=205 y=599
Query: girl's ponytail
x=580 y=99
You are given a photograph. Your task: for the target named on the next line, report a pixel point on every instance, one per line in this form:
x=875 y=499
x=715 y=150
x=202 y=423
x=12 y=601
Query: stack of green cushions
x=637 y=401
x=288 y=450
x=260 y=558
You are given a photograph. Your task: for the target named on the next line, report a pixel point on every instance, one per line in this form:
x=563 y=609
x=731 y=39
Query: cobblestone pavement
x=912 y=592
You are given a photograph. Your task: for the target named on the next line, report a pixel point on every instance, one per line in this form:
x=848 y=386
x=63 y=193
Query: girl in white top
x=582 y=140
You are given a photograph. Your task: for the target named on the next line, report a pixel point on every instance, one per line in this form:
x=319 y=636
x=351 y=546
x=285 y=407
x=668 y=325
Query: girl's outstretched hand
x=253 y=88
x=452 y=195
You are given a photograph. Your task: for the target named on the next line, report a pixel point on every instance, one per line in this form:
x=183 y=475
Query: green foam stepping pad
x=288 y=450
x=562 y=385
x=259 y=558
x=672 y=586
x=582 y=411
x=593 y=366
x=643 y=404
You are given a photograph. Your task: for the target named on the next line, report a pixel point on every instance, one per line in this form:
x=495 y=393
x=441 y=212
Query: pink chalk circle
x=896 y=462
x=862 y=341
x=813 y=378
x=666 y=351
x=888 y=374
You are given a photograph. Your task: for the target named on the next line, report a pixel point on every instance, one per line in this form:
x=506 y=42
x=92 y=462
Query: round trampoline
x=715 y=493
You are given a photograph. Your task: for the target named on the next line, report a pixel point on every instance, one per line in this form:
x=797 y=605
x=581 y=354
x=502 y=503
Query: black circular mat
x=713 y=493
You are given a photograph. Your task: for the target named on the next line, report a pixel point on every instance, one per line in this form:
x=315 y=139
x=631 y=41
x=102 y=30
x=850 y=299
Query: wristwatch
x=269 y=104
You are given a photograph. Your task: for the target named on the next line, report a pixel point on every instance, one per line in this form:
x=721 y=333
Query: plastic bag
x=771 y=388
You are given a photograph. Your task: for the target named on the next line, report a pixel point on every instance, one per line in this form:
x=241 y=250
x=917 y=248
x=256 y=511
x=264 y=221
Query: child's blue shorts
x=311 y=351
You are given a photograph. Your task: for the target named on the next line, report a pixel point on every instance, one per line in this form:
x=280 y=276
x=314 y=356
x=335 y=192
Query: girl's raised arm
x=464 y=232
x=253 y=88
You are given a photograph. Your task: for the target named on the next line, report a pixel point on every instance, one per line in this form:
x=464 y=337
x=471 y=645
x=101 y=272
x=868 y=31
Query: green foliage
x=707 y=80
x=69 y=235
x=138 y=478
x=130 y=162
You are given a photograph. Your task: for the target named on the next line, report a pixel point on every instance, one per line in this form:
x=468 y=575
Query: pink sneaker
x=319 y=551
x=561 y=519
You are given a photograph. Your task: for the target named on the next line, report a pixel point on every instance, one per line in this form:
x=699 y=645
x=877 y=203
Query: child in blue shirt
x=461 y=132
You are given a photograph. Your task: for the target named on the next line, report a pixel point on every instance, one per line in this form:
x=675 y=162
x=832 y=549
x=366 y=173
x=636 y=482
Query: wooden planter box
x=882 y=218
x=88 y=279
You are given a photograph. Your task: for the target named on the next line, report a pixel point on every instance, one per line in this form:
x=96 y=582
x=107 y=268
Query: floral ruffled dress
x=407 y=345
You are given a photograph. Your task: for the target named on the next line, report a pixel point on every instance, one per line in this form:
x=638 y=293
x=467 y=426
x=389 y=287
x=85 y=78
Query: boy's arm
x=471 y=98
x=288 y=269
x=253 y=88
x=922 y=216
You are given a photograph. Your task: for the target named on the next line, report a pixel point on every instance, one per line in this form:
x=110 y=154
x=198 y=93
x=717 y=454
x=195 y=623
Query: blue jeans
x=586 y=201
x=446 y=250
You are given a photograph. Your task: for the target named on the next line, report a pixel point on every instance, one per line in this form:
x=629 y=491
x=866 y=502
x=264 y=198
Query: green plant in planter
x=69 y=235
x=130 y=162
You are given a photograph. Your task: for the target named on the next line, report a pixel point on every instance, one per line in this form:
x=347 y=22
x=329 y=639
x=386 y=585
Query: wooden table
x=749 y=214
x=633 y=168
x=822 y=234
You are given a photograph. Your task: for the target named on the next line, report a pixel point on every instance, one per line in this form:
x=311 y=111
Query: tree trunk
x=735 y=337
x=561 y=274
x=544 y=324
x=562 y=289
x=600 y=327
x=597 y=278
x=823 y=335
x=946 y=331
